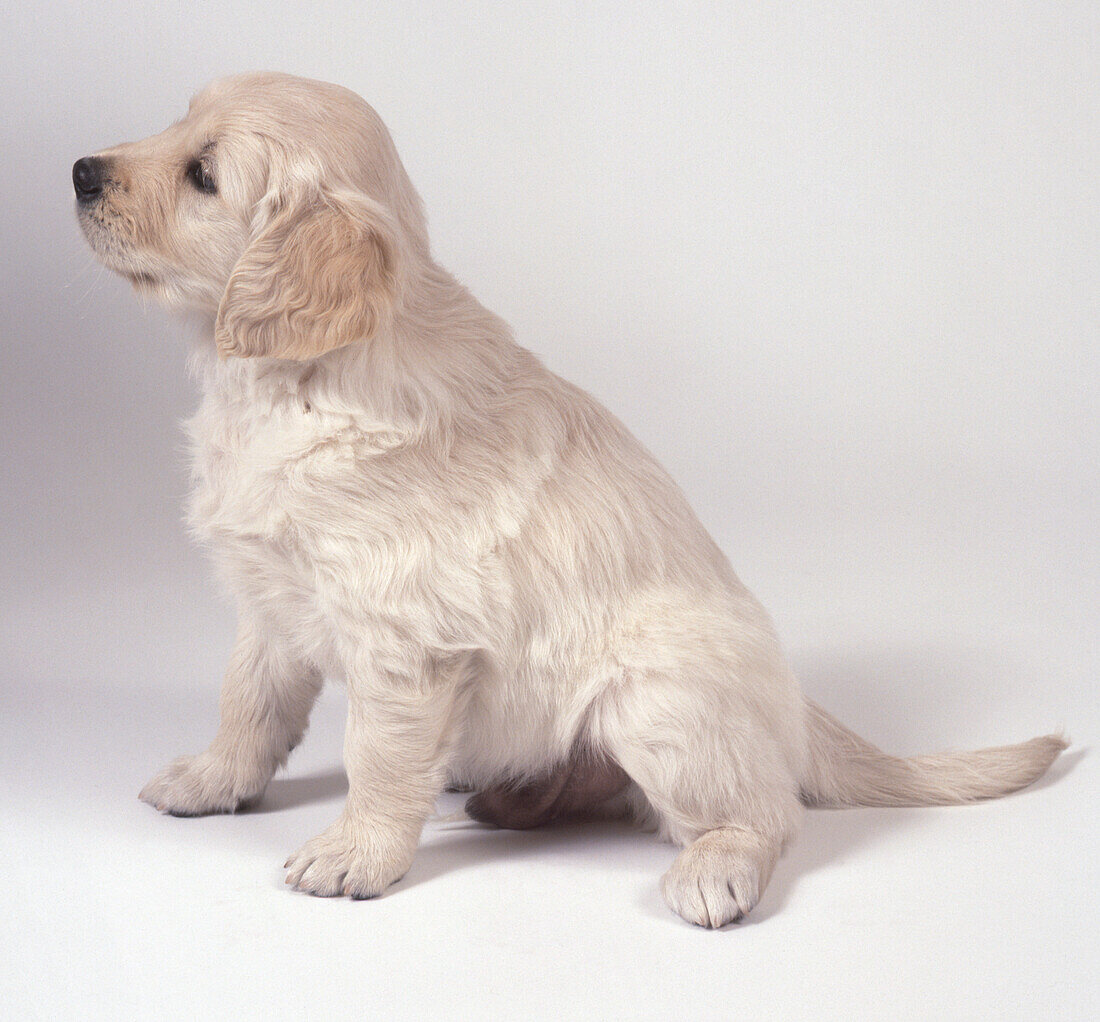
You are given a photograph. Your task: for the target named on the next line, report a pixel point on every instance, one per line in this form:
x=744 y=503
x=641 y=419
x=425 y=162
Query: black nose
x=88 y=178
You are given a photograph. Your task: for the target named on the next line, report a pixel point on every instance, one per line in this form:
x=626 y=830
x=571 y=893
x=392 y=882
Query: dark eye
x=200 y=177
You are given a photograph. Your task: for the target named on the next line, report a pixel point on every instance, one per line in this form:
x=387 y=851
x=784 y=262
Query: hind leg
x=581 y=785
x=714 y=768
x=720 y=876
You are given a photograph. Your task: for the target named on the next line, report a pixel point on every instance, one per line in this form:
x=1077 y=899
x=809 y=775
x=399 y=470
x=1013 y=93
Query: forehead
x=282 y=109
x=273 y=131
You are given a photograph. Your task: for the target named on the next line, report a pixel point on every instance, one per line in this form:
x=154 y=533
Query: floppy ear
x=320 y=275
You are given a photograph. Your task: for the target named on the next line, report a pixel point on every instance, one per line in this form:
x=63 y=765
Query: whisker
x=95 y=282
x=88 y=264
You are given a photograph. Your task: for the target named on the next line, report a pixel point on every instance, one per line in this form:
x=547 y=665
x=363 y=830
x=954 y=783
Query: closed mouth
x=110 y=253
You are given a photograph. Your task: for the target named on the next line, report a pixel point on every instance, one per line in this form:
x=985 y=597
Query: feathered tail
x=845 y=770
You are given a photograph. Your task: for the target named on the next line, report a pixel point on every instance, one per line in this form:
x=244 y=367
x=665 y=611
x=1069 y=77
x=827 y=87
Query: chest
x=262 y=475
x=316 y=517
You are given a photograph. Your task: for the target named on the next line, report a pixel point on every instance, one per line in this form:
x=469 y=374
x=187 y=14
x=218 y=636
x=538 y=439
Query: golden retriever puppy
x=515 y=595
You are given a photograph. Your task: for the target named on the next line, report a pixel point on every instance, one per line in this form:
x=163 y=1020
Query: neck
x=441 y=359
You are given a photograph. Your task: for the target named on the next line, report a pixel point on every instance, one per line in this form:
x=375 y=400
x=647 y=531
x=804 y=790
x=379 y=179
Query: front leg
x=265 y=704
x=395 y=751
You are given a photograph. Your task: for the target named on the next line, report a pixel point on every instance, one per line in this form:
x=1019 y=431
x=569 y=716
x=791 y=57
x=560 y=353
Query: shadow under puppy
x=516 y=596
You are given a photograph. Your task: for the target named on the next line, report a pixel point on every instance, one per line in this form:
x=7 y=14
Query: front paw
x=200 y=785
x=351 y=860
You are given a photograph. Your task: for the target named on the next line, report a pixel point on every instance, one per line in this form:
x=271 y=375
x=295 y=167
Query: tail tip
x=1047 y=748
x=1056 y=742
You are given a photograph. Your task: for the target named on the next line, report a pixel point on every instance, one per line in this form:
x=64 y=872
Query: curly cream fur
x=401 y=498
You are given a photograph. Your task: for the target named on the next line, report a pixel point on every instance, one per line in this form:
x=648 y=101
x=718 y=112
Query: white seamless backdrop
x=836 y=264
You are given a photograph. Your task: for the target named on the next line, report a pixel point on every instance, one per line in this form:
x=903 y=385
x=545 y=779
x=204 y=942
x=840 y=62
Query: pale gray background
x=835 y=264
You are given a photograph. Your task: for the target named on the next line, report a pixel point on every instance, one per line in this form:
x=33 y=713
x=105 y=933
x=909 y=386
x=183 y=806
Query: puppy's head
x=277 y=205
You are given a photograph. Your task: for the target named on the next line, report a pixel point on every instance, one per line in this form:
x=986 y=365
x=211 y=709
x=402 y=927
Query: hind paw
x=719 y=878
